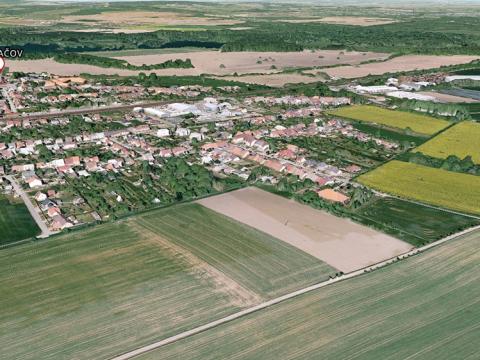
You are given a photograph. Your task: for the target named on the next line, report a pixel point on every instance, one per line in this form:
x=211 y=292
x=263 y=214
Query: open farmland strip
x=118 y=288
x=240 y=296
x=342 y=243
x=461 y=140
x=456 y=191
x=420 y=124
x=418 y=224
x=252 y=258
x=433 y=302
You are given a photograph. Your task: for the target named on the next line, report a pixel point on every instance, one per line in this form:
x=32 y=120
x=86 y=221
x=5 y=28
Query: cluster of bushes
x=455 y=111
x=105 y=62
x=451 y=163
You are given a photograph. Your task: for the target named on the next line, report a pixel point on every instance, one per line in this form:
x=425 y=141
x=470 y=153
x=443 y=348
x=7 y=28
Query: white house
x=182 y=132
x=197 y=136
x=34 y=182
x=163 y=133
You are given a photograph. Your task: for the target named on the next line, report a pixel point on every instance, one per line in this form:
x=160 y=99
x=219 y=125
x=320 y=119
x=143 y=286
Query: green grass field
x=15 y=222
x=414 y=223
x=474 y=110
x=96 y=293
x=424 y=308
x=461 y=140
x=420 y=124
x=388 y=134
x=456 y=191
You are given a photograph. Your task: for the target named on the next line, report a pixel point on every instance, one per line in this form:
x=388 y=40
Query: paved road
x=264 y=305
x=33 y=211
x=6 y=95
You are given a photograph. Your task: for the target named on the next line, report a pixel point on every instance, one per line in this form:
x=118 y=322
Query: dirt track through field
x=339 y=242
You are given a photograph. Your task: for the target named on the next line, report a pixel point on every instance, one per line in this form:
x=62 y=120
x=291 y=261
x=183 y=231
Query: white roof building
x=182 y=132
x=462 y=77
x=163 y=132
x=410 y=95
x=379 y=89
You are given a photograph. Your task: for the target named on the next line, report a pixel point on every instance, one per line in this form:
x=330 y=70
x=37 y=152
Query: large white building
x=462 y=77
x=410 y=95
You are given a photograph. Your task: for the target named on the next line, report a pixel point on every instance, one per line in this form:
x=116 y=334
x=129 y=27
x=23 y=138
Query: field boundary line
x=280 y=299
x=385 y=195
x=45 y=231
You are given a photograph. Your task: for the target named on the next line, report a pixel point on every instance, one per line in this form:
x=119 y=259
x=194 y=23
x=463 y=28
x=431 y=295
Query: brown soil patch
x=240 y=296
x=275 y=80
x=208 y=62
x=339 y=242
x=132 y=18
x=344 y=20
x=447 y=98
x=401 y=63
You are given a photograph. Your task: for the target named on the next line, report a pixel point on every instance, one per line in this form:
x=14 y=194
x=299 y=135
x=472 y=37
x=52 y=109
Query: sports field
x=15 y=222
x=414 y=223
x=461 y=140
x=451 y=190
x=420 y=124
x=426 y=307
x=96 y=293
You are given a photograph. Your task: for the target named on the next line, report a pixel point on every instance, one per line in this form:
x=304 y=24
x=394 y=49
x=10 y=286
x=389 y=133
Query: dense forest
x=414 y=36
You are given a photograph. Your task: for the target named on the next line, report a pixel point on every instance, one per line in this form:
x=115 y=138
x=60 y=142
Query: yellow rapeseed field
x=461 y=140
x=451 y=190
x=396 y=119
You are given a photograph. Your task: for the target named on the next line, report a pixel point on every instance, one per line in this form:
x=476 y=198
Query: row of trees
x=455 y=111
x=451 y=163
x=105 y=62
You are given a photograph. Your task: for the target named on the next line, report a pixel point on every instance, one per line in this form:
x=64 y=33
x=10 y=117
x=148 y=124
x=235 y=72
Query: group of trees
x=174 y=180
x=455 y=111
x=451 y=163
x=105 y=62
x=153 y=79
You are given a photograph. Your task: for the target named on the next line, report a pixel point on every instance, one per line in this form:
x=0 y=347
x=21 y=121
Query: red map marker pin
x=2 y=64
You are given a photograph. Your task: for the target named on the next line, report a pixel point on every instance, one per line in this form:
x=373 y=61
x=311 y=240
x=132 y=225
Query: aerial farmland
x=15 y=222
x=420 y=124
x=460 y=140
x=343 y=244
x=151 y=276
x=455 y=191
x=394 y=313
x=239 y=180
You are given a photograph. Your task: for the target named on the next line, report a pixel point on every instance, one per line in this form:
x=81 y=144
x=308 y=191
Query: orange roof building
x=333 y=196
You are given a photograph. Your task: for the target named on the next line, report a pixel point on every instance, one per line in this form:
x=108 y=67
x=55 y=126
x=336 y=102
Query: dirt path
x=240 y=296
